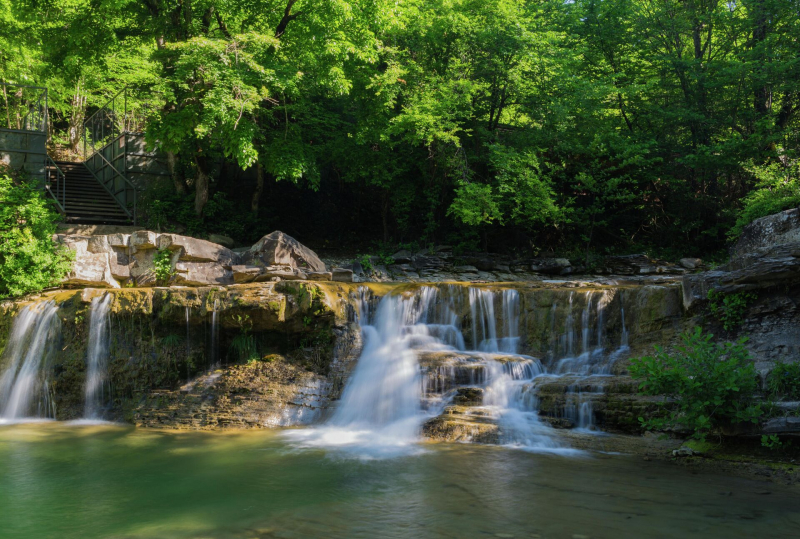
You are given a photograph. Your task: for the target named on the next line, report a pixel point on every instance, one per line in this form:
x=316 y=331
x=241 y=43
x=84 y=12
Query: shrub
x=163 y=266
x=778 y=189
x=784 y=381
x=729 y=308
x=709 y=384
x=29 y=259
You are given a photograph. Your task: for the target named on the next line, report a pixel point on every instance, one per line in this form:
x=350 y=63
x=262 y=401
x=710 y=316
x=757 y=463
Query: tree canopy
x=572 y=126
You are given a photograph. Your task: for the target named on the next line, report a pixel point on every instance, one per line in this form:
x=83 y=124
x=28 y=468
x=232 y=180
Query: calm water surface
x=66 y=481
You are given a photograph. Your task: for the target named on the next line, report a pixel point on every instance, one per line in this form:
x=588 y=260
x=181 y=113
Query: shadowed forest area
x=581 y=127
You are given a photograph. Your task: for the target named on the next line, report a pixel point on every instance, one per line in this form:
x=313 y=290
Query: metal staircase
x=96 y=191
x=81 y=197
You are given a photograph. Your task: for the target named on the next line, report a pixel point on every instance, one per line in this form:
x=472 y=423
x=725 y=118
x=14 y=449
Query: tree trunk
x=77 y=115
x=761 y=94
x=177 y=178
x=201 y=184
x=259 y=189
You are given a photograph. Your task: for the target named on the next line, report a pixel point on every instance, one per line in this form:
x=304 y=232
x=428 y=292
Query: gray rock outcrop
x=766 y=255
x=113 y=260
x=765 y=263
x=279 y=249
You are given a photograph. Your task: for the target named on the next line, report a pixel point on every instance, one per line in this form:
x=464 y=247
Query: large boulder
x=766 y=255
x=279 y=249
x=767 y=232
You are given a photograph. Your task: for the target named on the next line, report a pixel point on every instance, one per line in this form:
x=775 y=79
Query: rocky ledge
x=131 y=259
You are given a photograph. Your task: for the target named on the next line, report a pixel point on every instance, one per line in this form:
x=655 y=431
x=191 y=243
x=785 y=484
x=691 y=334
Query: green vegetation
x=708 y=385
x=243 y=345
x=777 y=189
x=784 y=381
x=162 y=263
x=29 y=259
x=583 y=127
x=729 y=309
x=772 y=441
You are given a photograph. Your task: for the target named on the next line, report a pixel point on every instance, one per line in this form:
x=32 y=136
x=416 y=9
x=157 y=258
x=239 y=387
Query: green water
x=65 y=481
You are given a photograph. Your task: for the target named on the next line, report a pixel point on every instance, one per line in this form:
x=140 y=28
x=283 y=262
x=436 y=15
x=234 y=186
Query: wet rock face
x=160 y=337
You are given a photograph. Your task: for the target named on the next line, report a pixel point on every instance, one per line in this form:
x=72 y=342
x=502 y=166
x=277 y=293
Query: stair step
x=90 y=207
x=85 y=199
x=96 y=221
x=95 y=214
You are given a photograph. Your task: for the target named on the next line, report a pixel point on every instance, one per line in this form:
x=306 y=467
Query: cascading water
x=24 y=389
x=515 y=407
x=380 y=412
x=416 y=362
x=399 y=380
x=97 y=356
x=214 y=336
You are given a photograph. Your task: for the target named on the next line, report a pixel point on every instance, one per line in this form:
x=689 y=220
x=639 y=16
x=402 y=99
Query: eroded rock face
x=272 y=393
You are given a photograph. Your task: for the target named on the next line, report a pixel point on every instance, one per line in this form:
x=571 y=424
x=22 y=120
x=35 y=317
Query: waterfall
x=97 y=356
x=188 y=339
x=624 y=337
x=455 y=348
x=380 y=412
x=484 y=321
x=586 y=327
x=214 y=336
x=515 y=407
x=391 y=393
x=24 y=389
x=385 y=390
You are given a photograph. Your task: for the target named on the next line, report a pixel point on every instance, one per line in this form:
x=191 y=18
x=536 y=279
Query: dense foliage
x=29 y=259
x=709 y=385
x=784 y=381
x=581 y=126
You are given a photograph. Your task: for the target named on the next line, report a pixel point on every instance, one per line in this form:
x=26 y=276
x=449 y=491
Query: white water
x=388 y=396
x=380 y=412
x=97 y=357
x=214 y=336
x=24 y=388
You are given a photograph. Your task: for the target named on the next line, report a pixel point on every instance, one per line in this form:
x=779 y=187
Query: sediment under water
x=70 y=481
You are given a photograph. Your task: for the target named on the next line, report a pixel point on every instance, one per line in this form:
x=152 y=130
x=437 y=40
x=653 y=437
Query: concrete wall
x=24 y=151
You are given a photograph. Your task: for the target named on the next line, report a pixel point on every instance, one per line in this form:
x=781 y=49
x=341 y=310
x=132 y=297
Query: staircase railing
x=115 y=182
x=101 y=131
x=54 y=175
x=24 y=124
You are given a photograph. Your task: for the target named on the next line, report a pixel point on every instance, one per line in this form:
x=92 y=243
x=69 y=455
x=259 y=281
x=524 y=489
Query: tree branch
x=288 y=17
